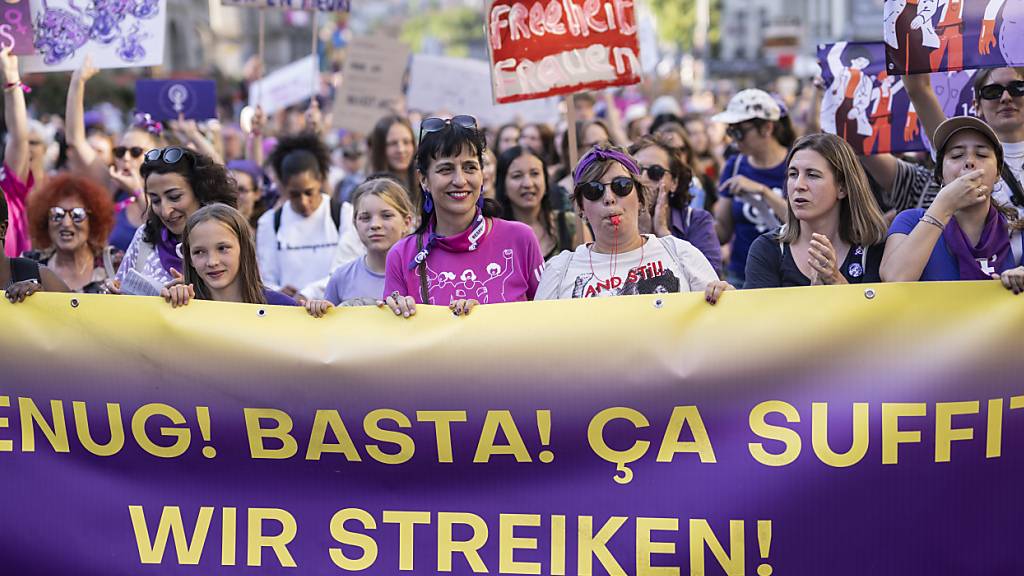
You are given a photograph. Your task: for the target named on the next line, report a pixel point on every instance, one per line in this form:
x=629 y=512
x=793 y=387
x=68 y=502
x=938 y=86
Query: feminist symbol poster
x=868 y=106
x=937 y=35
x=16 y=27
x=116 y=33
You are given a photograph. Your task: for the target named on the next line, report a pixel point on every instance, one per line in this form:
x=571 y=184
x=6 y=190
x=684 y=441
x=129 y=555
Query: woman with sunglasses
x=23 y=277
x=123 y=178
x=965 y=234
x=462 y=254
x=835 y=231
x=621 y=261
x=750 y=201
x=70 y=218
x=667 y=184
x=522 y=191
x=178 y=182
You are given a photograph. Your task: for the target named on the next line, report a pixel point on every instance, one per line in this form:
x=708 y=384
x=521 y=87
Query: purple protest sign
x=16 y=27
x=938 y=35
x=869 y=108
x=167 y=99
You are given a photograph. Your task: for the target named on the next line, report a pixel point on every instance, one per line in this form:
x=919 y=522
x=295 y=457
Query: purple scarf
x=167 y=250
x=991 y=255
x=466 y=241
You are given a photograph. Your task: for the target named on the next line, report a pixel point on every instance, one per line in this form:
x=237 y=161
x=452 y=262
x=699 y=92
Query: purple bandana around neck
x=167 y=250
x=990 y=256
x=465 y=241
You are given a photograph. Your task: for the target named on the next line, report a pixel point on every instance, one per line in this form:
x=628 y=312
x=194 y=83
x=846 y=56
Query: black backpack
x=335 y=215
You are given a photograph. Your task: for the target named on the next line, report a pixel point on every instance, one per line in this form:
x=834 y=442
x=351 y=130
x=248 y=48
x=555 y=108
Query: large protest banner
x=463 y=86
x=115 y=34
x=547 y=48
x=841 y=430
x=868 y=106
x=937 y=35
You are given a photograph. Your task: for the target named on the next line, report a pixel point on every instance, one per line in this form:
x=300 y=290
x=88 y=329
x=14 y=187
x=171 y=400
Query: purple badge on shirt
x=16 y=29
x=166 y=99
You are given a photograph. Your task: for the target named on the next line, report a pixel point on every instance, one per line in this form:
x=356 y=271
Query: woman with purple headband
x=621 y=261
x=462 y=254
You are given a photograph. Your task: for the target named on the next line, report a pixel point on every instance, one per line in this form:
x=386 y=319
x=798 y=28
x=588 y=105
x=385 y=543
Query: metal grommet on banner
x=261 y=312
x=74 y=302
x=869 y=293
x=659 y=303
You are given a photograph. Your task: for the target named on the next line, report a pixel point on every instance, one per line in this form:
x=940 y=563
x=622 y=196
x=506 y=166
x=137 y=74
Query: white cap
x=748 y=105
x=666 y=105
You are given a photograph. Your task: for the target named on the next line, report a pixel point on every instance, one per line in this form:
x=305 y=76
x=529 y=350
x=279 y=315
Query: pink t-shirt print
x=504 y=267
x=16 y=193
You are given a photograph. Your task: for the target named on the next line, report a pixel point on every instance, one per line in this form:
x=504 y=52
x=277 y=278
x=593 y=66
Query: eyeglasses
x=431 y=125
x=169 y=155
x=995 y=91
x=120 y=151
x=737 y=132
x=78 y=215
x=622 y=186
x=655 y=172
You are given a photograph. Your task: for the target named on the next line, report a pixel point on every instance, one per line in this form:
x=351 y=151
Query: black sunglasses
x=120 y=151
x=655 y=172
x=737 y=132
x=431 y=125
x=170 y=155
x=78 y=215
x=995 y=91
x=622 y=186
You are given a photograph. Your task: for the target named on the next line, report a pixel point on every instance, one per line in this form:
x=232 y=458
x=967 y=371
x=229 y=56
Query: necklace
x=613 y=265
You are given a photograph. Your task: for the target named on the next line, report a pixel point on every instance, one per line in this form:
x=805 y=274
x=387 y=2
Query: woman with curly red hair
x=70 y=219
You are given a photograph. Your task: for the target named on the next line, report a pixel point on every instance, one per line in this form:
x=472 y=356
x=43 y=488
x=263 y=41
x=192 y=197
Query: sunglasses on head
x=78 y=215
x=120 y=151
x=655 y=172
x=995 y=91
x=169 y=155
x=431 y=125
x=622 y=186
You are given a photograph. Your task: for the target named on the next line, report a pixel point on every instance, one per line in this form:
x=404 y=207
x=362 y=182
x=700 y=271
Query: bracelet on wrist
x=19 y=84
x=929 y=219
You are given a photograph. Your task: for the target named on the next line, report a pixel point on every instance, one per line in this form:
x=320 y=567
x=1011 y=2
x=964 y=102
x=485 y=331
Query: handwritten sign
x=545 y=48
x=167 y=99
x=284 y=87
x=16 y=27
x=372 y=82
x=306 y=5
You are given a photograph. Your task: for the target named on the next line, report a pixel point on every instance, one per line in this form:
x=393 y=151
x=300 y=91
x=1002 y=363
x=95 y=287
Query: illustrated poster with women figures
x=116 y=33
x=938 y=35
x=869 y=108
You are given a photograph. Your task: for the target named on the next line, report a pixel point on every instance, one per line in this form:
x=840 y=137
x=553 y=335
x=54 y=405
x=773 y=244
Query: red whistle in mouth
x=616 y=220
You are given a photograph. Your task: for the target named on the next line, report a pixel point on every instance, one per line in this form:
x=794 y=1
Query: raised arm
x=74 y=114
x=254 y=139
x=15 y=115
x=926 y=103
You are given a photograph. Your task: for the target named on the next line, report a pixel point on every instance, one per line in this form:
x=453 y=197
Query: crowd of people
x=441 y=210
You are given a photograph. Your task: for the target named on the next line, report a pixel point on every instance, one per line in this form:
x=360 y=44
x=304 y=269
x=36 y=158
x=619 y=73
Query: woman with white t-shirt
x=299 y=243
x=621 y=261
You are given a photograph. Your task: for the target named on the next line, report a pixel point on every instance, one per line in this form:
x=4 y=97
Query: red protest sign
x=542 y=48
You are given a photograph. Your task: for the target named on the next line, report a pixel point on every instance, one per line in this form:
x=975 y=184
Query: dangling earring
x=480 y=200
x=428 y=202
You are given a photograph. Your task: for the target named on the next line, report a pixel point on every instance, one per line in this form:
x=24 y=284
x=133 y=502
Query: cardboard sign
x=868 y=107
x=116 y=35
x=372 y=82
x=462 y=86
x=306 y=5
x=284 y=87
x=939 y=35
x=547 y=48
x=16 y=27
x=167 y=99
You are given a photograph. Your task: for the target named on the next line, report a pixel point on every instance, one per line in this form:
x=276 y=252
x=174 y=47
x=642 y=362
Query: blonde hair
x=861 y=222
x=248 y=266
x=387 y=189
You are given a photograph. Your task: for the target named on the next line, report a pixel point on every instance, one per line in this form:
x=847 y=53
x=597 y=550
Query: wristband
x=929 y=219
x=19 y=84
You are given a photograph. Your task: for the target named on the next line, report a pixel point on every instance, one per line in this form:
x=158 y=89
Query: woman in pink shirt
x=462 y=254
x=15 y=178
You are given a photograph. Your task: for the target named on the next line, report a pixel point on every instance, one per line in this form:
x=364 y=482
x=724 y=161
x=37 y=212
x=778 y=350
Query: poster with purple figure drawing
x=116 y=33
x=869 y=108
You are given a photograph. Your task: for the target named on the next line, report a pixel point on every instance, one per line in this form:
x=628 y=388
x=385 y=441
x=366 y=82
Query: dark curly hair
x=304 y=152
x=210 y=182
x=95 y=198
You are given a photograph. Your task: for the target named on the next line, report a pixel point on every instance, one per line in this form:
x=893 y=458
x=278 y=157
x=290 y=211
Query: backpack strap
x=1016 y=191
x=336 y=213
x=277 y=225
x=1017 y=247
x=24 y=269
x=421 y=271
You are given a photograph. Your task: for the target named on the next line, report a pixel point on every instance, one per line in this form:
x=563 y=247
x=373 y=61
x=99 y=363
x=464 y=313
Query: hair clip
x=146 y=122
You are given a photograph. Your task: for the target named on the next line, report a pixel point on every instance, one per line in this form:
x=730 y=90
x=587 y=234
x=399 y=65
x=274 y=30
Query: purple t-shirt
x=354 y=280
x=504 y=267
x=275 y=298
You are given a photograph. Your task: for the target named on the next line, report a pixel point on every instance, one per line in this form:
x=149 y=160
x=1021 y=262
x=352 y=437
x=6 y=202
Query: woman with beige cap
x=965 y=234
